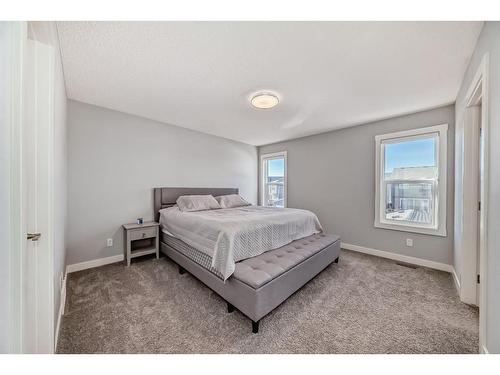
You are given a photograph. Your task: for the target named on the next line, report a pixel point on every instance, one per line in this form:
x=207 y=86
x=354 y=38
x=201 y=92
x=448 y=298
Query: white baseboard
x=400 y=258
x=456 y=280
x=62 y=304
x=93 y=263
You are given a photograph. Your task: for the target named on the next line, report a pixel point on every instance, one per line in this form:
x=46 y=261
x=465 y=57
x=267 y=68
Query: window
x=410 y=190
x=273 y=167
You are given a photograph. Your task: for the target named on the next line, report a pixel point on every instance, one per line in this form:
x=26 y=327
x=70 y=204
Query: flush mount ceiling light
x=264 y=100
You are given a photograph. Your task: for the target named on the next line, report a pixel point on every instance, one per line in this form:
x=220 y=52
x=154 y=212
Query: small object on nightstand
x=140 y=220
x=141 y=239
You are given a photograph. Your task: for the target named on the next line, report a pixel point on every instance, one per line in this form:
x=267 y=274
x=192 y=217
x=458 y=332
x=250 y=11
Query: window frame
x=263 y=175
x=438 y=228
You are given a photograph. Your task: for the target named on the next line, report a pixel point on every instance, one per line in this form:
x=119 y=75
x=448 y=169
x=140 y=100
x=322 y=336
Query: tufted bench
x=260 y=284
x=267 y=280
x=262 y=269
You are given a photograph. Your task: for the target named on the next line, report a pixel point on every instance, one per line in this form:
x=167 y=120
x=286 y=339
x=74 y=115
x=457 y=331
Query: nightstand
x=141 y=239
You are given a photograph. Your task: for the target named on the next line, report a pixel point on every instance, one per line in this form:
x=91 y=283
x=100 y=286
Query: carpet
x=364 y=304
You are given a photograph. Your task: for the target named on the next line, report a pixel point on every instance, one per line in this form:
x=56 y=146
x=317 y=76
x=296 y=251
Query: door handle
x=33 y=236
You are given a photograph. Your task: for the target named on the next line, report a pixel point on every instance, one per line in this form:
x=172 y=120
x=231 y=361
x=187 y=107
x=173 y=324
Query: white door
x=479 y=190
x=38 y=141
x=470 y=218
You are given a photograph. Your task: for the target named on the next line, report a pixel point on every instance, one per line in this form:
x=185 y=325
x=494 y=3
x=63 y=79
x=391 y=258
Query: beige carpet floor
x=362 y=305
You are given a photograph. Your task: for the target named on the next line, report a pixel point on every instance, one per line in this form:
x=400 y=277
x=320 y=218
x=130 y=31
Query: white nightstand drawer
x=138 y=234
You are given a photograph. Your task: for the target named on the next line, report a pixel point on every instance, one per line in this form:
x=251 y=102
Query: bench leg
x=230 y=308
x=336 y=260
x=255 y=326
x=182 y=270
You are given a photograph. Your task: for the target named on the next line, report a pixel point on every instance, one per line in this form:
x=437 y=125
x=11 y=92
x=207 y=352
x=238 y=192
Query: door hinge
x=478 y=279
x=479 y=206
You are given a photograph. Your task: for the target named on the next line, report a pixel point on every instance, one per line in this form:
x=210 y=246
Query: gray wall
x=489 y=41
x=45 y=32
x=114 y=161
x=333 y=174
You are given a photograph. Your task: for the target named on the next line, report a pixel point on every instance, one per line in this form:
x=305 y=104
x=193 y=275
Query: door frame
x=13 y=81
x=477 y=92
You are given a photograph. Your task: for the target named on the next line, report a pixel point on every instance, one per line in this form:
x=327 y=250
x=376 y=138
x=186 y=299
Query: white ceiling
x=329 y=75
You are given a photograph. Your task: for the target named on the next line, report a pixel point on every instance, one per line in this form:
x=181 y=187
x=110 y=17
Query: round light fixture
x=265 y=100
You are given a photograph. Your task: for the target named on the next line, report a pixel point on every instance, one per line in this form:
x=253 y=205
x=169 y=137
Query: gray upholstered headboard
x=167 y=196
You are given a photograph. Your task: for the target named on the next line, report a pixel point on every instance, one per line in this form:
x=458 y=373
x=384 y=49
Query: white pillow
x=188 y=203
x=231 y=201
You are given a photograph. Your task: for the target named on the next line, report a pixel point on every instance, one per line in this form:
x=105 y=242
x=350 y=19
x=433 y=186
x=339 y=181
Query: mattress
x=231 y=235
x=190 y=252
x=258 y=270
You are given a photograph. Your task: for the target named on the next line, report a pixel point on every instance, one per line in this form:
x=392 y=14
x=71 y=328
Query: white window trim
x=274 y=155
x=441 y=196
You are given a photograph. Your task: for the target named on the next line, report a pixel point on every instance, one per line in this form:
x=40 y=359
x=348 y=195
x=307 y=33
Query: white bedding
x=233 y=234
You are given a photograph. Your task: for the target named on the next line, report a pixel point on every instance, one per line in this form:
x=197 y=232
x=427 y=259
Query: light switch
x=409 y=242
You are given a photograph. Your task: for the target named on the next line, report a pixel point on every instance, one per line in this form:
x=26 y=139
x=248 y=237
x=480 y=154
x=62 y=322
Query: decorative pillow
x=188 y=203
x=231 y=201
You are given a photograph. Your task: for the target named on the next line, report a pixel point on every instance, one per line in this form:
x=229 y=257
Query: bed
x=253 y=257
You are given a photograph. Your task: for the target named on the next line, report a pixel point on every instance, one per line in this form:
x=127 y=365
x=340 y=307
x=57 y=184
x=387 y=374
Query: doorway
x=26 y=166
x=474 y=197
x=471 y=270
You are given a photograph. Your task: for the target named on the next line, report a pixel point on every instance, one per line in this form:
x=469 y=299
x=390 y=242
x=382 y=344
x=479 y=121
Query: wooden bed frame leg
x=230 y=308
x=255 y=326
x=182 y=270
x=336 y=260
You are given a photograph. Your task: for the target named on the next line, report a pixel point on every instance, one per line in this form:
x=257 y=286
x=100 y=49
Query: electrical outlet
x=110 y=242
x=409 y=242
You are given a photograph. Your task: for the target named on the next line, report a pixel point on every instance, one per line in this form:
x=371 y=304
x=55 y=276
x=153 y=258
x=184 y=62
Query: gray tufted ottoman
x=260 y=284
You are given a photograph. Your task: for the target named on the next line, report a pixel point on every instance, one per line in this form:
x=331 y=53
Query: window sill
x=405 y=228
